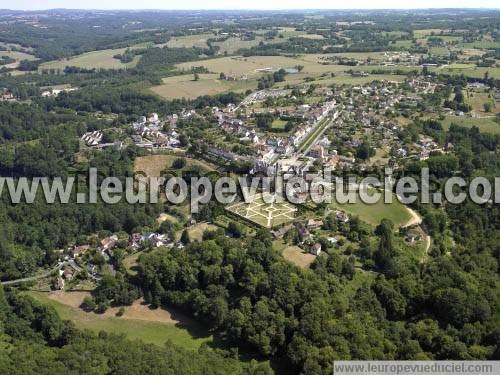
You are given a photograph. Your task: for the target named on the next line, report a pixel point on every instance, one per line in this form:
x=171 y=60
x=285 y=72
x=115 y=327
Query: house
x=341 y=216
x=79 y=250
x=332 y=240
x=304 y=233
x=153 y=118
x=317 y=152
x=282 y=231
x=68 y=273
x=109 y=242
x=58 y=283
x=311 y=223
x=315 y=249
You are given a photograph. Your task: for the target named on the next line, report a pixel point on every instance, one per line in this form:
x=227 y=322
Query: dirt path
x=416 y=219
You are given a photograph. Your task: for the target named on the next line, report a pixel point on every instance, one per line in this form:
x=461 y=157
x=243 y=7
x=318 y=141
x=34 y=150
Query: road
x=315 y=134
x=60 y=265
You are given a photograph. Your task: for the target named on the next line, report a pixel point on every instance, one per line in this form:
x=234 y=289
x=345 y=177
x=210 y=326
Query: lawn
x=152 y=332
x=97 y=59
x=278 y=124
x=486 y=125
x=184 y=86
x=196 y=231
x=297 y=256
x=374 y=213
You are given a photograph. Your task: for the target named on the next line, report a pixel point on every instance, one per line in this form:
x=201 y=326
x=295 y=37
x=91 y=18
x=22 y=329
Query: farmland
x=184 y=86
x=197 y=40
x=97 y=59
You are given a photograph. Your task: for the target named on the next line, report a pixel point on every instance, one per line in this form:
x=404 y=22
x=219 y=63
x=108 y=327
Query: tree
x=185 y=237
x=88 y=304
x=179 y=163
x=487 y=107
x=196 y=77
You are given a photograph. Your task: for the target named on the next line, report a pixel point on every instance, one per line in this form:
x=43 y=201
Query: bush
x=88 y=304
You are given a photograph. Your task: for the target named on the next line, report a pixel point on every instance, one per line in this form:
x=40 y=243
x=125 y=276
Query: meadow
x=96 y=59
x=485 y=124
x=187 y=41
x=184 y=86
x=187 y=334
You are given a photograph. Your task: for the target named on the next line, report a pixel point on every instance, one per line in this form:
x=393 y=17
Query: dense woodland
x=36 y=341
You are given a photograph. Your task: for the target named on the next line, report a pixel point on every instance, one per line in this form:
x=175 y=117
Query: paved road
x=33 y=278
x=70 y=262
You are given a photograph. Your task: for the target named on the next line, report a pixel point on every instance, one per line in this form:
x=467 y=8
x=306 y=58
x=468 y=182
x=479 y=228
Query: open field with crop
x=138 y=322
x=97 y=59
x=184 y=86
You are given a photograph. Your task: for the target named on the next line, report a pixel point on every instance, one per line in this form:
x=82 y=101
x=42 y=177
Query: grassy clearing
x=278 y=124
x=153 y=165
x=184 y=86
x=422 y=33
x=18 y=56
x=297 y=256
x=97 y=59
x=196 y=231
x=486 y=125
x=188 y=41
x=231 y=45
x=477 y=101
x=474 y=72
x=374 y=213
x=190 y=337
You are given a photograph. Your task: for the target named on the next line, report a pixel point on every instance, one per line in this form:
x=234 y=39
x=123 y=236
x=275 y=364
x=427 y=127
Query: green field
x=374 y=213
x=187 y=41
x=149 y=332
x=486 y=125
x=97 y=59
x=184 y=86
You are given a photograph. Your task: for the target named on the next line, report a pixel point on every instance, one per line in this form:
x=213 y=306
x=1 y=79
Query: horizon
x=258 y=5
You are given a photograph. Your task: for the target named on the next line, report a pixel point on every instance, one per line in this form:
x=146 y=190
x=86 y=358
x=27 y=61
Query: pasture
x=184 y=86
x=485 y=124
x=188 y=41
x=96 y=59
